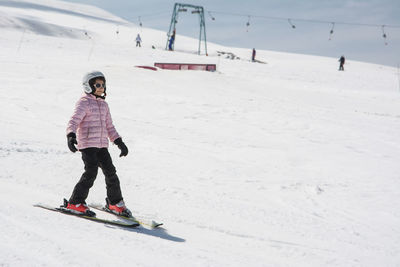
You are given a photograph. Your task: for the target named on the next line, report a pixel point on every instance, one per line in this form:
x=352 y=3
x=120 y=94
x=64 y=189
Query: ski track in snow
x=289 y=163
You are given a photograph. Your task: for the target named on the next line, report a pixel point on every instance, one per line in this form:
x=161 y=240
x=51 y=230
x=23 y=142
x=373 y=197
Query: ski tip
x=154 y=224
x=41 y=205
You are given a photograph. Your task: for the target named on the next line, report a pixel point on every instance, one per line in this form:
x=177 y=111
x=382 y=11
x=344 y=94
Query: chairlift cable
x=305 y=20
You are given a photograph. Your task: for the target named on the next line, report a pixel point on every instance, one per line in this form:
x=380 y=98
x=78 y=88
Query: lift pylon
x=178 y=7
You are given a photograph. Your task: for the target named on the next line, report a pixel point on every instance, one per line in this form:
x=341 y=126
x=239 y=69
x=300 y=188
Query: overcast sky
x=357 y=42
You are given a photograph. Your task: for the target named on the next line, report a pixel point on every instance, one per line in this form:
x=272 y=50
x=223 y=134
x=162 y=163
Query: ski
x=62 y=210
x=143 y=222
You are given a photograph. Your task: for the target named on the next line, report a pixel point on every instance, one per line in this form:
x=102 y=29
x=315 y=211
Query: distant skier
x=171 y=41
x=138 y=41
x=253 y=55
x=89 y=128
x=341 y=60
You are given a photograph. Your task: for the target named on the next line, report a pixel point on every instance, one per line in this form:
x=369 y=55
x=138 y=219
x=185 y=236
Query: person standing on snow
x=253 y=55
x=138 y=41
x=171 y=41
x=341 y=60
x=89 y=128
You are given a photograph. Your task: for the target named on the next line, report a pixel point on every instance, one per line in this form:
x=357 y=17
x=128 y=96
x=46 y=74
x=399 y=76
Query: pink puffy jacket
x=92 y=123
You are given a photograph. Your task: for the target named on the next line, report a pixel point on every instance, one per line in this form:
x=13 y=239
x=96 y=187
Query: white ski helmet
x=88 y=77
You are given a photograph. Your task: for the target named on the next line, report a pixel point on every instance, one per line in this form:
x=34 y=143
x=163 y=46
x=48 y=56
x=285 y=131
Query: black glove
x=71 y=140
x=121 y=146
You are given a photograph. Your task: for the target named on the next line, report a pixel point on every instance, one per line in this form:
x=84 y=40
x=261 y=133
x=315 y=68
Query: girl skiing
x=89 y=128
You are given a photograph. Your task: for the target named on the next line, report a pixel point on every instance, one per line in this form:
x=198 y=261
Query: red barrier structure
x=186 y=66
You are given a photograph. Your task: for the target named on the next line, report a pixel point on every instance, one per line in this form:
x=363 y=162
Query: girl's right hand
x=71 y=141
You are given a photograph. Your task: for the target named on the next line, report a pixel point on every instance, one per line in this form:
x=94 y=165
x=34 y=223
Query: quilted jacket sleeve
x=111 y=131
x=81 y=109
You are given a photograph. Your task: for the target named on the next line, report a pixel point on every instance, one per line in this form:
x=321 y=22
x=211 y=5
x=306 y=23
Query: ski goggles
x=98 y=85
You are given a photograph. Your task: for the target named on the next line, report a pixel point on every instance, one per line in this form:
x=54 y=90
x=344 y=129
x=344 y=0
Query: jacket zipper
x=101 y=124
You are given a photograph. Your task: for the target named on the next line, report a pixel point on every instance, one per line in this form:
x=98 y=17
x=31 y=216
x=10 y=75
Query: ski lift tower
x=174 y=19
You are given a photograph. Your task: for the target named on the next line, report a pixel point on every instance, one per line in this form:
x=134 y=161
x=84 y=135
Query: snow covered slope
x=289 y=163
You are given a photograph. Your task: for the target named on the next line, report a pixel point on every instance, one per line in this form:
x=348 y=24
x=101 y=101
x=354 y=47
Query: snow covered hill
x=290 y=163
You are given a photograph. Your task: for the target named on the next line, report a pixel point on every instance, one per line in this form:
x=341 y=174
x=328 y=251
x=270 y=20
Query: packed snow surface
x=289 y=163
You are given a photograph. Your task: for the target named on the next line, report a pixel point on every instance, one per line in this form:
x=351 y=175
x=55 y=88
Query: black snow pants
x=93 y=158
